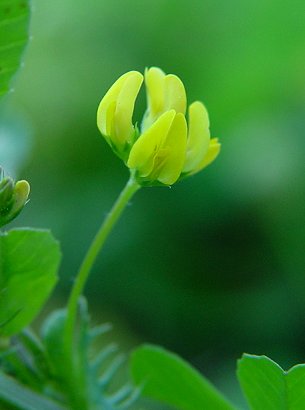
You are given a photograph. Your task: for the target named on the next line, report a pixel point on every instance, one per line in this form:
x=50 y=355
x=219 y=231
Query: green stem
x=97 y=244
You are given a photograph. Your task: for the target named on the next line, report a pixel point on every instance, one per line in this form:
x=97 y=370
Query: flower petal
x=164 y=93
x=154 y=82
x=121 y=96
x=198 y=136
x=109 y=98
x=125 y=107
x=109 y=119
x=144 y=150
x=176 y=145
x=174 y=94
x=213 y=151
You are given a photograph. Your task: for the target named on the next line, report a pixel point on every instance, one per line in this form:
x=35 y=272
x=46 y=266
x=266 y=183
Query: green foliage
x=256 y=100
x=14 y=22
x=22 y=397
x=29 y=261
x=267 y=386
x=41 y=367
x=27 y=373
x=248 y=67
x=84 y=379
x=168 y=379
x=165 y=377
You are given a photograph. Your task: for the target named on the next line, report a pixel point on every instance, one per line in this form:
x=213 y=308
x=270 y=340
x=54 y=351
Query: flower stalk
x=96 y=246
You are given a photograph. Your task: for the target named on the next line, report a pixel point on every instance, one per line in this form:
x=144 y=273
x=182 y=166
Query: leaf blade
x=169 y=379
x=296 y=387
x=263 y=382
x=29 y=261
x=14 y=26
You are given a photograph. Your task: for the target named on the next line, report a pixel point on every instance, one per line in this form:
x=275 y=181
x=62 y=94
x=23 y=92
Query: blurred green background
x=214 y=266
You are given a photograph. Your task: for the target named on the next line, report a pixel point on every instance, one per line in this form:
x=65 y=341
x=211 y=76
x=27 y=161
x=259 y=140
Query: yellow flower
x=167 y=149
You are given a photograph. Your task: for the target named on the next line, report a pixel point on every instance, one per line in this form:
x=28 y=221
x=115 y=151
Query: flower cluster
x=165 y=148
x=13 y=197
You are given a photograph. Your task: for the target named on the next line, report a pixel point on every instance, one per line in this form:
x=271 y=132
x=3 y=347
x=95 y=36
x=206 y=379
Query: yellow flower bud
x=167 y=149
x=114 y=114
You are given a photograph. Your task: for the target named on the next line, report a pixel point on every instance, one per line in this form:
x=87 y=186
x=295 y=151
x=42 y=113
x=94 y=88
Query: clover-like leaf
x=267 y=386
x=167 y=378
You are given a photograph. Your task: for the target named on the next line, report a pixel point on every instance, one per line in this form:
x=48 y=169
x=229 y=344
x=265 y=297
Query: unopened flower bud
x=13 y=197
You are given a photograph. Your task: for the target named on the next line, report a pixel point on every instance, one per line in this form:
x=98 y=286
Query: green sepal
x=6 y=196
x=123 y=151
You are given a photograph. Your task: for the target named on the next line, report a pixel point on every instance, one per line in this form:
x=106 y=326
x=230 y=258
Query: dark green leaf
x=267 y=386
x=169 y=379
x=29 y=261
x=14 y=23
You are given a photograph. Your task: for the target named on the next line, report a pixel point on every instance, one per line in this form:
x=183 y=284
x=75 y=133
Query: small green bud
x=13 y=197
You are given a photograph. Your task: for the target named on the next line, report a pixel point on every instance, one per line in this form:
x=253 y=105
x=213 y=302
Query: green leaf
x=267 y=386
x=29 y=261
x=169 y=379
x=14 y=23
x=84 y=379
x=15 y=394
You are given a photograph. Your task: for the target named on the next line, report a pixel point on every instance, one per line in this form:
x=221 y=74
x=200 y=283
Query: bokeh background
x=215 y=266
